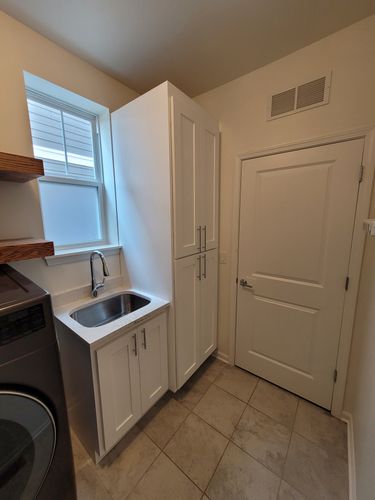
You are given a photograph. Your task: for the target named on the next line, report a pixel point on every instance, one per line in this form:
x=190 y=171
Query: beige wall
x=360 y=396
x=24 y=49
x=241 y=107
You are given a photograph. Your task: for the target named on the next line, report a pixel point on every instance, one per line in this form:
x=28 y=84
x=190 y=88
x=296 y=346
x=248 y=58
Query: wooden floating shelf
x=24 y=249
x=18 y=168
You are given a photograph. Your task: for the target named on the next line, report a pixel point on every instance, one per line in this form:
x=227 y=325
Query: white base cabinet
x=109 y=388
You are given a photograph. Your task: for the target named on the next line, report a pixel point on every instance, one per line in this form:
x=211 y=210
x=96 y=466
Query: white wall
x=24 y=49
x=241 y=108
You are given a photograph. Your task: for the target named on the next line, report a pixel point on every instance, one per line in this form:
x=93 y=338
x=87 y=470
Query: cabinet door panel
x=209 y=182
x=208 y=305
x=153 y=363
x=186 y=312
x=185 y=178
x=118 y=371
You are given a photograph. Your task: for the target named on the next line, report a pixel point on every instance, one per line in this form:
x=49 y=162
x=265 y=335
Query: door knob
x=245 y=284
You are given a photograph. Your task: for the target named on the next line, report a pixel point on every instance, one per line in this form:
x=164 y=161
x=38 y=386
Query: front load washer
x=35 y=448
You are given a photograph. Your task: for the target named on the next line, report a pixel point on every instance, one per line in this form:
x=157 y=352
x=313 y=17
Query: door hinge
x=361 y=171
x=335 y=376
x=347 y=283
x=237 y=280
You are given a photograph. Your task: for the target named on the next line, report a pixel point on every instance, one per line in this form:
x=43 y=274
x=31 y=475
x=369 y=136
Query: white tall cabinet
x=166 y=151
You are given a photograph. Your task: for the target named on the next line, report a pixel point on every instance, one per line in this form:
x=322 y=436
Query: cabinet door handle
x=135 y=349
x=199 y=229
x=144 y=338
x=205 y=266
x=199 y=267
x=205 y=238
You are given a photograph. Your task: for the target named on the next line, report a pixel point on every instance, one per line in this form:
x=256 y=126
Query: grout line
x=143 y=475
x=287 y=451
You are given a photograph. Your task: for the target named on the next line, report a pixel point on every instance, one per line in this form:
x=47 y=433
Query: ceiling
x=196 y=44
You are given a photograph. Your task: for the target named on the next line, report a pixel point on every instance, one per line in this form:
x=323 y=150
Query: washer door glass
x=27 y=444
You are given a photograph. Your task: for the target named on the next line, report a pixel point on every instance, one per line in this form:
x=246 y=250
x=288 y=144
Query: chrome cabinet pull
x=144 y=338
x=205 y=238
x=205 y=266
x=199 y=228
x=200 y=268
x=135 y=349
x=245 y=284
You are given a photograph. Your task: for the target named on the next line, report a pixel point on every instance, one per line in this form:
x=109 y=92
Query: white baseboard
x=347 y=417
x=222 y=356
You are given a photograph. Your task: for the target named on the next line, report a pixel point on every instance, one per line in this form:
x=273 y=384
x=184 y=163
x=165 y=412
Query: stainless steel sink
x=108 y=310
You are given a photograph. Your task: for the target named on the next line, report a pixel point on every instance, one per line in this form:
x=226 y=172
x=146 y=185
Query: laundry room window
x=67 y=139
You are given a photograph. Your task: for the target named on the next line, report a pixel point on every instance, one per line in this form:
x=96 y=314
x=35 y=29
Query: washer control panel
x=18 y=324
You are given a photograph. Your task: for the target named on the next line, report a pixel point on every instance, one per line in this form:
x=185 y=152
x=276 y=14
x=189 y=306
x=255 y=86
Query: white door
x=153 y=361
x=208 y=305
x=187 y=227
x=296 y=223
x=209 y=181
x=118 y=370
x=187 y=272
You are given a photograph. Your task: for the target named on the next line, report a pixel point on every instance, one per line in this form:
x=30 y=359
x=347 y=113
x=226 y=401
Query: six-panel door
x=153 y=362
x=118 y=370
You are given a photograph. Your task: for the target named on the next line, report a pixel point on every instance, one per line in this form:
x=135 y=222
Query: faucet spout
x=95 y=285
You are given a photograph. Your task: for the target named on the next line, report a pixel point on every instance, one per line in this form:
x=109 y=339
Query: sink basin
x=108 y=310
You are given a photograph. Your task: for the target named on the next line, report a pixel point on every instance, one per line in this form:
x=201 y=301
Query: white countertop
x=97 y=334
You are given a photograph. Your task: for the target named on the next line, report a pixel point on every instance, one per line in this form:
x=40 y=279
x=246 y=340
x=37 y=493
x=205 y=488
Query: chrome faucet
x=95 y=285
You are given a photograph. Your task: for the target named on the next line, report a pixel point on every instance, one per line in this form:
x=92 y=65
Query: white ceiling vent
x=307 y=95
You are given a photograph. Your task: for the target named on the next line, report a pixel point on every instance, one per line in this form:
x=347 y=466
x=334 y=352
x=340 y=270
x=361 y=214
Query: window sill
x=79 y=254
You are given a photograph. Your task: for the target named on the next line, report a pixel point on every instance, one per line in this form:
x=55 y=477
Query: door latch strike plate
x=335 y=376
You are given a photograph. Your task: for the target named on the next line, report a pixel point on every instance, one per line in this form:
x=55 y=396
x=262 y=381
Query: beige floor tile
x=196 y=448
x=165 y=481
x=89 y=485
x=287 y=492
x=80 y=455
x=212 y=368
x=275 y=402
x=125 y=465
x=163 y=420
x=263 y=438
x=220 y=409
x=192 y=392
x=314 y=472
x=240 y=477
x=321 y=428
x=238 y=382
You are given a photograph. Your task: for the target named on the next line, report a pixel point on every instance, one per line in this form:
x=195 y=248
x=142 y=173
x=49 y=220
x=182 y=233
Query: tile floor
x=226 y=435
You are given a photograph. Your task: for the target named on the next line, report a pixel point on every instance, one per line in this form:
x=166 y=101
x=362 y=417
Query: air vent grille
x=283 y=102
x=311 y=93
x=299 y=98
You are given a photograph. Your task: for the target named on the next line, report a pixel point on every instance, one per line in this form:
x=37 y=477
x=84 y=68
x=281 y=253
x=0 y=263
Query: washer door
x=28 y=439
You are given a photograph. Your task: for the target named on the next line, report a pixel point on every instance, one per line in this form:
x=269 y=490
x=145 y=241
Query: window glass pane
x=71 y=213
x=79 y=146
x=47 y=136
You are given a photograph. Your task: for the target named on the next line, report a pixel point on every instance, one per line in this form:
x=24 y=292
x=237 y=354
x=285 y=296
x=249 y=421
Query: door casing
x=358 y=243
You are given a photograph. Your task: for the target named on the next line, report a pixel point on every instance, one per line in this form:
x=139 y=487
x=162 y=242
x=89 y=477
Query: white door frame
x=358 y=243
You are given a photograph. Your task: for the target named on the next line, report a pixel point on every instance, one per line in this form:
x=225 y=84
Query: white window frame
x=98 y=165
